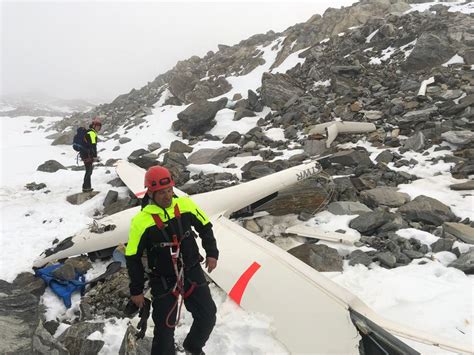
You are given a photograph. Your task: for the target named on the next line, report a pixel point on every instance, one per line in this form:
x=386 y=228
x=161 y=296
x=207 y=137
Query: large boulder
x=277 y=89
x=210 y=156
x=75 y=338
x=430 y=50
x=384 y=196
x=368 y=223
x=428 y=210
x=198 y=118
x=51 y=166
x=318 y=256
x=19 y=318
x=465 y=262
x=460 y=231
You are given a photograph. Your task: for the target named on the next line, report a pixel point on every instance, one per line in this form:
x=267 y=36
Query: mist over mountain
x=39 y=104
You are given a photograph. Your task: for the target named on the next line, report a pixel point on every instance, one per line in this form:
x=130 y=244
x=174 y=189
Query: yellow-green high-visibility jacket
x=145 y=235
x=91 y=146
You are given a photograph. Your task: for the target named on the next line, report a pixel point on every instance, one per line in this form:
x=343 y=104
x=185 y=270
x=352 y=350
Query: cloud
x=99 y=50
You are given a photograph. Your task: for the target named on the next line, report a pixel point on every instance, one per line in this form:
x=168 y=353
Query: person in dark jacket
x=90 y=153
x=165 y=229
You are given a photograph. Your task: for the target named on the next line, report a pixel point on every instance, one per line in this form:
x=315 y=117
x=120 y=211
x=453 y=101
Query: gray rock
x=452 y=94
x=460 y=231
x=243 y=112
x=387 y=259
x=19 y=319
x=111 y=197
x=180 y=147
x=413 y=254
x=428 y=210
x=198 y=118
x=395 y=223
x=417 y=116
x=458 y=137
x=137 y=153
x=277 y=89
x=51 y=166
x=65 y=272
x=314 y=147
x=385 y=157
x=359 y=257
x=416 y=142
x=119 y=205
x=174 y=158
x=351 y=158
x=250 y=146
x=465 y=262
x=256 y=171
x=210 y=156
x=348 y=208
x=81 y=264
x=384 y=196
x=75 y=339
x=290 y=132
x=442 y=244
x=318 y=256
x=44 y=343
x=154 y=146
x=469 y=56
x=254 y=103
x=367 y=223
x=468 y=185
x=232 y=137
x=124 y=140
x=430 y=50
x=28 y=282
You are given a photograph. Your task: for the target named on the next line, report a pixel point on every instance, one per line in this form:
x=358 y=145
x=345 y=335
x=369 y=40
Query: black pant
x=199 y=303
x=87 y=176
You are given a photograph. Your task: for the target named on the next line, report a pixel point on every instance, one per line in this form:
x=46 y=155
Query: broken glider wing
x=86 y=241
x=222 y=202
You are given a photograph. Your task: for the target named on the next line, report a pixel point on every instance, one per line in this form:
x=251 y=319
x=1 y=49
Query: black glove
x=144 y=314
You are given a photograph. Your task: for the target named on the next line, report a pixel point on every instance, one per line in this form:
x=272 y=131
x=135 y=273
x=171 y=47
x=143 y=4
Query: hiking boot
x=90 y=189
x=188 y=352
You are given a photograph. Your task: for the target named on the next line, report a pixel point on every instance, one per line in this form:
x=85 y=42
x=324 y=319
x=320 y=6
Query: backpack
x=79 y=142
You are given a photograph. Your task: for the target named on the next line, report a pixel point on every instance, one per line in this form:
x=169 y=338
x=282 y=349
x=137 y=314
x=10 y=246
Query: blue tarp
x=62 y=288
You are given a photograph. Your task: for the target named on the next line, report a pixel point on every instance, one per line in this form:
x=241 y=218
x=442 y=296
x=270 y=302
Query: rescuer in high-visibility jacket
x=90 y=153
x=164 y=229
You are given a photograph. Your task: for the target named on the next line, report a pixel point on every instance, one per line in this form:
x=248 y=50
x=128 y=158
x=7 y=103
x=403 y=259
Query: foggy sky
x=99 y=50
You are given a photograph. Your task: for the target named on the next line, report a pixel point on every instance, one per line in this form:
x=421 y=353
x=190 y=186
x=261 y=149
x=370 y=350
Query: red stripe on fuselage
x=239 y=288
x=141 y=193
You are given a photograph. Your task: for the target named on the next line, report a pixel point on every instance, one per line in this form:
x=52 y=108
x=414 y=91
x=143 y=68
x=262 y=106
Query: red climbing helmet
x=158 y=178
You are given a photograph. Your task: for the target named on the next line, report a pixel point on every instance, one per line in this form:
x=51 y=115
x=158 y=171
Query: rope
x=176 y=257
x=330 y=191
